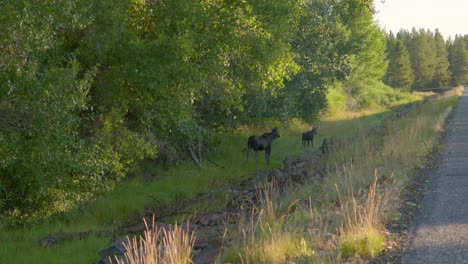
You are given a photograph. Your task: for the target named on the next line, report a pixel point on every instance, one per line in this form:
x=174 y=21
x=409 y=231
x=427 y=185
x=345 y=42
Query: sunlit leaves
x=88 y=87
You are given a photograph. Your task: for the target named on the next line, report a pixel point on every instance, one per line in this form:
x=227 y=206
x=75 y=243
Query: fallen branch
x=216 y=164
x=194 y=157
x=172 y=213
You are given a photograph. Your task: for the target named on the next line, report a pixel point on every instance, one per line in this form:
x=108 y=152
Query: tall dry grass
x=362 y=229
x=343 y=218
x=352 y=205
x=159 y=246
x=457 y=91
x=402 y=150
x=263 y=237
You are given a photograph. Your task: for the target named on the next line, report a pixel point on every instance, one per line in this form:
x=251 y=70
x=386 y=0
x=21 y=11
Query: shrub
x=361 y=232
x=159 y=246
x=336 y=99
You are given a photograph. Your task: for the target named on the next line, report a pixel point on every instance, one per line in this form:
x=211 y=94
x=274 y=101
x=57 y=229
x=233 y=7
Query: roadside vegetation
x=106 y=106
x=128 y=200
x=344 y=218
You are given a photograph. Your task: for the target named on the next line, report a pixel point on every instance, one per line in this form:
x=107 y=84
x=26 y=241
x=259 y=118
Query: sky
x=449 y=16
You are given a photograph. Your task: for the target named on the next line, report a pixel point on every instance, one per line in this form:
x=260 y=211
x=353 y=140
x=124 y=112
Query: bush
x=336 y=99
x=377 y=93
x=366 y=244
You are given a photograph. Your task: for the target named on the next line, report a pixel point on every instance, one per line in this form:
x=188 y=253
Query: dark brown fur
x=308 y=137
x=263 y=142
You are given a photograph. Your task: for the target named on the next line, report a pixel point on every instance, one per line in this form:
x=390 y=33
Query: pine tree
x=399 y=73
x=420 y=47
x=441 y=76
x=451 y=58
x=459 y=63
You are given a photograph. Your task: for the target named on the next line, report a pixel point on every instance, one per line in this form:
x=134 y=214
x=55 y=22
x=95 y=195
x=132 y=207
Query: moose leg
x=267 y=155
x=256 y=159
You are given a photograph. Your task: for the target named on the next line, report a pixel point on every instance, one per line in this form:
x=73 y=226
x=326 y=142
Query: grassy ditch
x=128 y=201
x=343 y=218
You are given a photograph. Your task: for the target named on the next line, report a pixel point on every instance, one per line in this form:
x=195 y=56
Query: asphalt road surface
x=440 y=231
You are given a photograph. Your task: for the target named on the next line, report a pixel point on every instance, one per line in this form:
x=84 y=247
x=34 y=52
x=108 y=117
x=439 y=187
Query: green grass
x=366 y=244
x=20 y=245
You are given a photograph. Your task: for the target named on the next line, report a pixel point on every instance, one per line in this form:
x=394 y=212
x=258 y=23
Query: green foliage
x=441 y=76
x=47 y=166
x=88 y=89
x=433 y=61
x=40 y=147
x=41 y=96
x=120 y=147
x=458 y=54
x=336 y=99
x=421 y=46
x=188 y=65
x=400 y=72
x=429 y=58
x=324 y=59
x=365 y=43
x=378 y=94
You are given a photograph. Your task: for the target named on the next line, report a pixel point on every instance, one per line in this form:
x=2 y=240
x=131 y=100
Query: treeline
x=423 y=59
x=88 y=88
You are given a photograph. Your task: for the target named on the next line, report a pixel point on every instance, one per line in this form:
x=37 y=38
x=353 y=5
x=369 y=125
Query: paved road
x=440 y=232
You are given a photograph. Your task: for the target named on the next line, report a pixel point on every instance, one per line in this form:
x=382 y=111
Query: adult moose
x=308 y=137
x=263 y=142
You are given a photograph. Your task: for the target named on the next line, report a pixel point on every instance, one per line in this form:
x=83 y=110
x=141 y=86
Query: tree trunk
x=194 y=157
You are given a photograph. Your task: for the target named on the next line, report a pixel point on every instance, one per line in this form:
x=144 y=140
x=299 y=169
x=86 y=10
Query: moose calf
x=308 y=137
